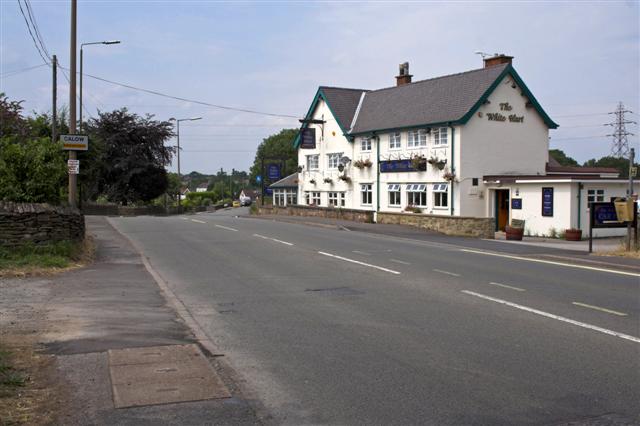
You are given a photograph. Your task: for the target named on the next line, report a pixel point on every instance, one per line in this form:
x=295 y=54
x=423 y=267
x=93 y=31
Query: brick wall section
x=326 y=212
x=38 y=223
x=479 y=227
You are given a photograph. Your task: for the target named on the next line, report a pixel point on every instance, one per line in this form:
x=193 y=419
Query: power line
x=581 y=115
x=620 y=145
x=225 y=107
x=578 y=137
x=34 y=23
x=31 y=34
x=66 y=77
x=20 y=71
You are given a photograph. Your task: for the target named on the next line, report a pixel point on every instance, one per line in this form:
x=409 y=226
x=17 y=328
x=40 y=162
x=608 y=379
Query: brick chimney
x=403 y=77
x=497 y=59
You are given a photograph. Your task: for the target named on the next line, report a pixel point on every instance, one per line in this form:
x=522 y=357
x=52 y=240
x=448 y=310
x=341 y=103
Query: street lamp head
x=195 y=118
x=111 y=42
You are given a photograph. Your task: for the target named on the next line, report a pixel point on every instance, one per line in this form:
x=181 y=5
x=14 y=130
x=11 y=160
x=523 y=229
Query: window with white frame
x=313 y=162
x=595 y=195
x=315 y=198
x=417 y=138
x=395 y=140
x=365 y=144
x=394 y=194
x=366 y=194
x=417 y=194
x=336 y=199
x=440 y=136
x=333 y=160
x=278 y=197
x=440 y=195
x=292 y=198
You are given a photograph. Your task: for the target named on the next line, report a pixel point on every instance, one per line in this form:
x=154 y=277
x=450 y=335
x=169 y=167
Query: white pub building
x=472 y=144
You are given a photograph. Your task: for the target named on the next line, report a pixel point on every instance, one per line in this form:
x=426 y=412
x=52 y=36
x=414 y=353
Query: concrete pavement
x=329 y=326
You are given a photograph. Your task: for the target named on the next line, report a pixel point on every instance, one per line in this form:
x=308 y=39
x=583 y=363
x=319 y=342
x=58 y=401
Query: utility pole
x=73 y=178
x=632 y=155
x=54 y=92
x=620 y=145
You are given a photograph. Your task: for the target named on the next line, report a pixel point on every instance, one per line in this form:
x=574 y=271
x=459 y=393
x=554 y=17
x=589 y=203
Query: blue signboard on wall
x=393 y=166
x=273 y=172
x=547 y=201
x=308 y=138
x=516 y=203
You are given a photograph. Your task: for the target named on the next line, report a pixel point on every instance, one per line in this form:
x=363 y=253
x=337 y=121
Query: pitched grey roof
x=437 y=100
x=343 y=103
x=290 y=181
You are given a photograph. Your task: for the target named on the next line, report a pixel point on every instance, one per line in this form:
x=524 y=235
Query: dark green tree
x=622 y=164
x=562 y=158
x=278 y=145
x=129 y=156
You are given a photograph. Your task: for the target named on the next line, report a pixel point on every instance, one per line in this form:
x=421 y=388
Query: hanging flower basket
x=344 y=178
x=361 y=164
x=419 y=162
x=312 y=181
x=328 y=180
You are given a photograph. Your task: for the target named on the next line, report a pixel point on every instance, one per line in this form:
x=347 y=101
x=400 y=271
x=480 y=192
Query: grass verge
x=31 y=259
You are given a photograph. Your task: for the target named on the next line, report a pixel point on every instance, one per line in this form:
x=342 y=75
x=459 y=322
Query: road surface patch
x=162 y=375
x=553 y=316
x=335 y=291
x=598 y=308
x=226 y=227
x=507 y=286
x=550 y=262
x=380 y=268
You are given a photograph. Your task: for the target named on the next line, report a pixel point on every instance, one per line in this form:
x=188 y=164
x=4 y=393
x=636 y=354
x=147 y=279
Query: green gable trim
x=509 y=70
x=319 y=95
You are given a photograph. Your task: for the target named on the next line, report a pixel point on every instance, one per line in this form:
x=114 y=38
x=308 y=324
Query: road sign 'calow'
x=74 y=142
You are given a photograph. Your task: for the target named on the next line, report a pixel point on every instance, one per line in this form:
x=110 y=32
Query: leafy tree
x=562 y=158
x=622 y=164
x=278 y=145
x=129 y=158
x=12 y=123
x=40 y=123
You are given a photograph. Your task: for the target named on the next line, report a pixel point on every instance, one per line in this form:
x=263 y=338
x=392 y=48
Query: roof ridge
x=440 y=77
x=345 y=88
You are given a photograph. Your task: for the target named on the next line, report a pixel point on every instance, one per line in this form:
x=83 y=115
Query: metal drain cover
x=162 y=375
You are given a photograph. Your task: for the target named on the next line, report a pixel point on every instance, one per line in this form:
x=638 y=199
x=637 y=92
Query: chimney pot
x=403 y=76
x=497 y=59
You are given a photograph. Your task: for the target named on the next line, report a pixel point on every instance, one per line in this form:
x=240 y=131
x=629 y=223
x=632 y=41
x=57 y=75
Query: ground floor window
x=278 y=198
x=394 y=194
x=417 y=194
x=595 y=195
x=292 y=198
x=315 y=198
x=440 y=195
x=366 y=193
x=336 y=199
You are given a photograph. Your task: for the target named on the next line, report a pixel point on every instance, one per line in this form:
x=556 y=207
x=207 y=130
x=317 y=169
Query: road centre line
x=507 y=286
x=553 y=316
x=272 y=239
x=446 y=272
x=226 y=227
x=598 y=308
x=361 y=252
x=359 y=263
x=402 y=262
x=198 y=221
x=550 y=262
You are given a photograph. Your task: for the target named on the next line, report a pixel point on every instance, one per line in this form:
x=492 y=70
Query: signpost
x=74 y=142
x=308 y=138
x=273 y=172
x=604 y=215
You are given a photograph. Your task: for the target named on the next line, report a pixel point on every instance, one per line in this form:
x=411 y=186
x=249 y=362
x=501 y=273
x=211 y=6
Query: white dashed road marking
x=508 y=286
x=198 y=221
x=359 y=263
x=598 y=308
x=402 y=262
x=272 y=239
x=556 y=317
x=227 y=228
x=453 y=274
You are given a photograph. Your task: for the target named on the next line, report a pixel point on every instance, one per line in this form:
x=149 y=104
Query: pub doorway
x=502 y=209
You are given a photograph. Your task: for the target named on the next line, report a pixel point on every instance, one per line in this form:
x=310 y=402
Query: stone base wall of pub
x=40 y=224
x=325 y=212
x=478 y=227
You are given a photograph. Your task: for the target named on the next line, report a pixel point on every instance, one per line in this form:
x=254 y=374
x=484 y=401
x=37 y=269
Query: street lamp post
x=81 y=51
x=178 y=140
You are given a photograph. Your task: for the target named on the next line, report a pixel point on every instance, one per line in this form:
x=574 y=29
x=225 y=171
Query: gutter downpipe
x=453 y=167
x=580 y=186
x=377 y=139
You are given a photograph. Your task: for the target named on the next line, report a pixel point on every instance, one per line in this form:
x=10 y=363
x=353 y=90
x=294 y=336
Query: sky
x=578 y=58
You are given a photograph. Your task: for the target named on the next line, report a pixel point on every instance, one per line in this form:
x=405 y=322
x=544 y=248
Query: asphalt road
x=339 y=327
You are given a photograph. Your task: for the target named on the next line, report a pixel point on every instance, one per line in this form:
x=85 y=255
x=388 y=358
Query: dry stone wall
x=479 y=227
x=40 y=224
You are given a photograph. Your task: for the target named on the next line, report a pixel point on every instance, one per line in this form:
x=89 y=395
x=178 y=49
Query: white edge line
x=359 y=263
x=507 y=286
x=446 y=272
x=226 y=227
x=598 y=308
x=198 y=221
x=550 y=262
x=556 y=317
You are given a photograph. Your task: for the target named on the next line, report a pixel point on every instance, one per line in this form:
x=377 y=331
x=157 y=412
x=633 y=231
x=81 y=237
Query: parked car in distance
x=245 y=201
x=236 y=203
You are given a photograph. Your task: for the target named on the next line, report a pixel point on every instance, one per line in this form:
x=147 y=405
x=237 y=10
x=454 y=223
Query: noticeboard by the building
x=547 y=202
